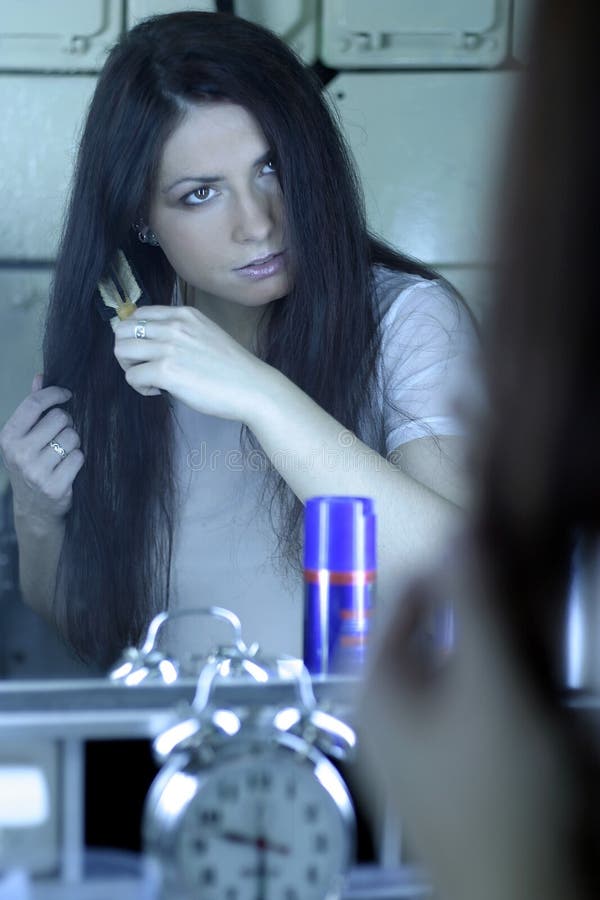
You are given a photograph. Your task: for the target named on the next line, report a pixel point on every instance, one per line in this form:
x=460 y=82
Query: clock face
x=263 y=826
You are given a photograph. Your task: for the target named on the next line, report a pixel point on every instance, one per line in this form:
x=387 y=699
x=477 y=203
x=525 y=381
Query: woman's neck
x=241 y=322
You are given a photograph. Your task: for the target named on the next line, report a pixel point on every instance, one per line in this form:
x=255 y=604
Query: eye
x=199 y=196
x=268 y=168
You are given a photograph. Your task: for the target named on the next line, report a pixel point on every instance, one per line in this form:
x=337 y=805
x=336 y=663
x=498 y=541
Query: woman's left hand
x=186 y=354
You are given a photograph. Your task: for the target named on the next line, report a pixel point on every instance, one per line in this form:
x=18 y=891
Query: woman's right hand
x=41 y=477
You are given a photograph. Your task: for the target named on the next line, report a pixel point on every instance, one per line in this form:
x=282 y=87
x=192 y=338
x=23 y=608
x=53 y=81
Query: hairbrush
x=120 y=291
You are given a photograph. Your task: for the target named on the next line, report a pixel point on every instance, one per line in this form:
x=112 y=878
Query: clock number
x=208 y=876
x=266 y=780
x=259 y=781
x=321 y=843
x=311 y=812
x=199 y=845
x=291 y=789
x=209 y=817
x=312 y=875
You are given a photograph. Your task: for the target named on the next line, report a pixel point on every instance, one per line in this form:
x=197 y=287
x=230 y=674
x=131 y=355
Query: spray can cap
x=339 y=534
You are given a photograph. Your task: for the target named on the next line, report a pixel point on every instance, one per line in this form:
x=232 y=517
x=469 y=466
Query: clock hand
x=262 y=870
x=262 y=859
x=272 y=847
x=261 y=843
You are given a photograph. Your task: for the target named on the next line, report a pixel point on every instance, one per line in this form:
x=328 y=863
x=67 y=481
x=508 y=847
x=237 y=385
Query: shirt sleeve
x=427 y=351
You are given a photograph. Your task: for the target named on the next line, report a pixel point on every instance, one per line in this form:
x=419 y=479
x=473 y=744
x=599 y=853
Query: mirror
x=417 y=187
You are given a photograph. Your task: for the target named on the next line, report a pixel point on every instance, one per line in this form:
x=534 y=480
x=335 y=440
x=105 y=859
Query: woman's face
x=217 y=207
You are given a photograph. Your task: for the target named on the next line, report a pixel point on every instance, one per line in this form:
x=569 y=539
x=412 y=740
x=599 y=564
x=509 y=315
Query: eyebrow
x=194 y=178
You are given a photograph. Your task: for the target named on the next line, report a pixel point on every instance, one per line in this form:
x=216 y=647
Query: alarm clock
x=247 y=804
x=263 y=818
x=147 y=663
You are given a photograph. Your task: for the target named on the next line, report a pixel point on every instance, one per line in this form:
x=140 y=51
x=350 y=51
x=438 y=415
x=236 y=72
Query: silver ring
x=140 y=329
x=58 y=449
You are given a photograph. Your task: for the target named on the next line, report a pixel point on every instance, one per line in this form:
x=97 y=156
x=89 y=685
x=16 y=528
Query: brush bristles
x=120 y=290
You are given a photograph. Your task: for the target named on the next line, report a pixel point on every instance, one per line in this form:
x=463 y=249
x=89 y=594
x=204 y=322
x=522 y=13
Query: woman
x=498 y=780
x=211 y=159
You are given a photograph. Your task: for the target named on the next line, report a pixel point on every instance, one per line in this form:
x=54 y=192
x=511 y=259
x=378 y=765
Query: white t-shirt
x=225 y=546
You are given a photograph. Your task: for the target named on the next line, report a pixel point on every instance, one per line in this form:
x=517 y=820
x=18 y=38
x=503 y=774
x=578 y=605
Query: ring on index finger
x=140 y=330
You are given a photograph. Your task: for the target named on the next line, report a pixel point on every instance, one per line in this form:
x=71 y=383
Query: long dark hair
x=539 y=448
x=114 y=569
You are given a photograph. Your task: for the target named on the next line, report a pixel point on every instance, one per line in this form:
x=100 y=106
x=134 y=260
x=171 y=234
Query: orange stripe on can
x=324 y=576
x=353 y=640
x=355 y=615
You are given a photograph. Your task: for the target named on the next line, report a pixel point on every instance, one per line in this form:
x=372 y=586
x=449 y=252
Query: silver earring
x=145 y=235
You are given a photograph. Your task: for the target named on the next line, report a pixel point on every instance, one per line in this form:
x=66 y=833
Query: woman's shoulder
x=404 y=294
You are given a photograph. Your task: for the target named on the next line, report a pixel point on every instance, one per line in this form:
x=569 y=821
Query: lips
x=261 y=261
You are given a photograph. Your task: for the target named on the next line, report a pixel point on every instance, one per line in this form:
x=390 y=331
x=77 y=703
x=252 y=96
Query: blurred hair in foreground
x=497 y=780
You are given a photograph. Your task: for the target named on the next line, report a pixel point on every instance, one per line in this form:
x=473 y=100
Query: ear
x=145 y=234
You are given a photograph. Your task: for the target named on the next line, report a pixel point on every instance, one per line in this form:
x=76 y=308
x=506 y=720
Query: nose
x=254 y=218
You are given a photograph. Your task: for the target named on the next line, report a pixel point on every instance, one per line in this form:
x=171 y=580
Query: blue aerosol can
x=339 y=583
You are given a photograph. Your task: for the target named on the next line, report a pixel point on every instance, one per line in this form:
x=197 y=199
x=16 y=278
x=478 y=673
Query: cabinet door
x=295 y=21
x=427 y=146
x=409 y=33
x=41 y=118
x=61 y=36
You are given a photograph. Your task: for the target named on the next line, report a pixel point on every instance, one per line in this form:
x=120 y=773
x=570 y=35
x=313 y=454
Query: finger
x=126 y=328
x=38 y=381
x=33 y=407
x=63 y=476
x=146 y=392
x=67 y=440
x=122 y=363
x=133 y=350
x=161 y=314
x=150 y=392
x=47 y=428
x=156 y=330
x=154 y=313
x=144 y=378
